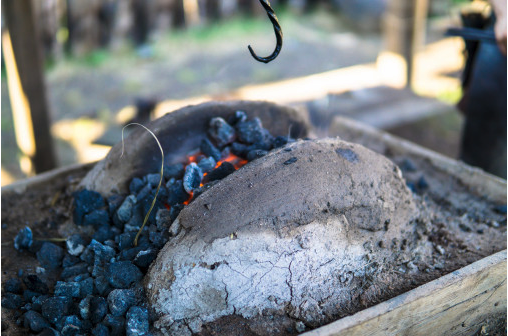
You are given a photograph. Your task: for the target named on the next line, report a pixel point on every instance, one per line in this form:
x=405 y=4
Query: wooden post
x=23 y=60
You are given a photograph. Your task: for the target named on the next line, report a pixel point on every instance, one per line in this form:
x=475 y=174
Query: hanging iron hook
x=278 y=34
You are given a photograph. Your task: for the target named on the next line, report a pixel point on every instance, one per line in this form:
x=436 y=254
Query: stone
x=75 y=244
x=85 y=201
x=120 y=300
x=221 y=132
x=24 y=239
x=137 y=321
x=50 y=255
x=123 y=274
x=35 y=321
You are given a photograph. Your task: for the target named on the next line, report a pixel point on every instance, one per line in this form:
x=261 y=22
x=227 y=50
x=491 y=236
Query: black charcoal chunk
x=422 y=184
x=124 y=212
x=207 y=164
x=85 y=287
x=153 y=179
x=177 y=193
x=347 y=154
x=85 y=201
x=123 y=274
x=35 y=247
x=174 y=171
x=69 y=289
x=144 y=258
x=250 y=131
x=103 y=233
x=102 y=255
x=13 y=285
x=54 y=308
x=98 y=309
x=158 y=239
x=71 y=325
x=129 y=254
x=125 y=240
x=35 y=321
x=37 y=302
x=239 y=116
x=24 y=239
x=256 y=154
x=49 y=332
x=192 y=177
x=136 y=185
x=102 y=285
x=280 y=141
x=163 y=218
x=74 y=270
x=29 y=295
x=50 y=255
x=12 y=301
x=114 y=201
x=290 y=161
x=34 y=283
x=84 y=307
x=120 y=300
x=221 y=132
x=209 y=149
x=501 y=209
x=137 y=321
x=239 y=149
x=407 y=165
x=411 y=186
x=69 y=260
x=97 y=218
x=220 y=172
x=116 y=324
x=175 y=211
x=100 y=330
x=75 y=244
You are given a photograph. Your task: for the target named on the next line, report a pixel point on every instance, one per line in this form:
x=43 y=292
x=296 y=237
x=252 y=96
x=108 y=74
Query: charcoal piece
x=137 y=321
x=209 y=149
x=85 y=201
x=153 y=179
x=98 y=309
x=78 y=277
x=238 y=116
x=69 y=289
x=263 y=145
x=177 y=193
x=123 y=274
x=220 y=172
x=129 y=254
x=239 y=149
x=54 y=308
x=111 y=243
x=35 y=247
x=221 y=132
x=24 y=239
x=347 y=154
x=100 y=330
x=27 y=307
x=12 y=301
x=84 y=307
x=407 y=165
x=29 y=295
x=175 y=211
x=102 y=255
x=74 y=270
x=251 y=131
x=136 y=185
x=158 y=239
x=256 y=154
x=34 y=283
x=86 y=287
x=192 y=177
x=103 y=233
x=71 y=325
x=174 y=171
x=145 y=205
x=203 y=188
x=97 y=218
x=145 y=192
x=411 y=186
x=280 y=141
x=226 y=151
x=501 y=209
x=13 y=285
x=207 y=164
x=114 y=201
x=35 y=321
x=120 y=300
x=116 y=324
x=69 y=260
x=124 y=212
x=50 y=255
x=290 y=161
x=49 y=332
x=144 y=258
x=288 y=149
x=102 y=285
x=125 y=240
x=422 y=184
x=37 y=302
x=75 y=244
x=163 y=218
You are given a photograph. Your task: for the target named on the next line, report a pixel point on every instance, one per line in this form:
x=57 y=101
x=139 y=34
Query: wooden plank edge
x=453 y=297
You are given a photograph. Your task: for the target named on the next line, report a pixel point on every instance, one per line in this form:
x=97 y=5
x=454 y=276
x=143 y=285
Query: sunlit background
x=107 y=62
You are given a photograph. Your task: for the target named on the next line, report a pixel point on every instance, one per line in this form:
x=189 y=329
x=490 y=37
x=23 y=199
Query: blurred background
x=74 y=72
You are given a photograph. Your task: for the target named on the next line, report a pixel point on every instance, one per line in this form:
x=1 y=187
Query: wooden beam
x=27 y=90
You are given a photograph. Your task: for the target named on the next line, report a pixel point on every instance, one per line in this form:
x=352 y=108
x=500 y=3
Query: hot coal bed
x=283 y=245
x=99 y=290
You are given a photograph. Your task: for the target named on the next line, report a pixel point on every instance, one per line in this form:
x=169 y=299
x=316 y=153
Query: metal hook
x=278 y=34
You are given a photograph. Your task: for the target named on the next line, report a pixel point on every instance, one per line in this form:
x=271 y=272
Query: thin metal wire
x=278 y=34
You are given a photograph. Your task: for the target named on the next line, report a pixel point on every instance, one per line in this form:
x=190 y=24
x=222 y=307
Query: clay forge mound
x=301 y=236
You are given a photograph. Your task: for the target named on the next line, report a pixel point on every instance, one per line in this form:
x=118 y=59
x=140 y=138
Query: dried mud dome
x=303 y=235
